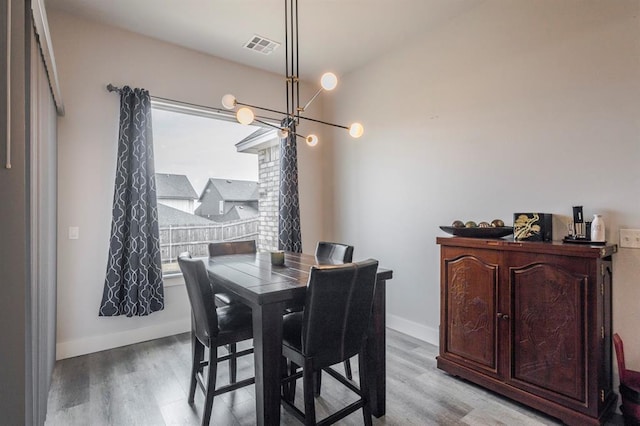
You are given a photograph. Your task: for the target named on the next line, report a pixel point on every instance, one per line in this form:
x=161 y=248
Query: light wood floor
x=146 y=384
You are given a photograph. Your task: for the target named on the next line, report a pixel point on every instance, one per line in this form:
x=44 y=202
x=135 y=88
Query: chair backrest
x=334 y=251
x=201 y=297
x=337 y=310
x=232 y=247
x=617 y=342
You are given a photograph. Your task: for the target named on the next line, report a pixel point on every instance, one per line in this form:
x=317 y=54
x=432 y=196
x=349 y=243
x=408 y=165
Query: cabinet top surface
x=551 y=247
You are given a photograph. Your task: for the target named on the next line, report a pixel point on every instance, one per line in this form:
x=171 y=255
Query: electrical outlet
x=630 y=238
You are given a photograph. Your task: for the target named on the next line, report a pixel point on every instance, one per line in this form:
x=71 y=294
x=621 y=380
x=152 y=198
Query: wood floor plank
x=147 y=384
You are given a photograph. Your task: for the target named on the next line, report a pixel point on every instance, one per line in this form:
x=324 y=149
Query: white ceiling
x=334 y=35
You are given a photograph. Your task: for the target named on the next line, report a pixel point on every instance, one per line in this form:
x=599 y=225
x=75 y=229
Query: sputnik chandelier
x=293 y=115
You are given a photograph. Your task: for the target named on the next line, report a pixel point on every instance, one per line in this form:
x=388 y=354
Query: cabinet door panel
x=471 y=294
x=548 y=330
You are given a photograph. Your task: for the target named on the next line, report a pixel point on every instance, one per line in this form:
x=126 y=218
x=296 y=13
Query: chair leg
x=293 y=368
x=317 y=382
x=364 y=387
x=309 y=394
x=197 y=355
x=285 y=389
x=211 y=385
x=347 y=369
x=233 y=363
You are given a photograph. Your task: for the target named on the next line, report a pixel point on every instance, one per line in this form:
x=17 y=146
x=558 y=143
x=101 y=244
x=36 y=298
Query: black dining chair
x=224 y=298
x=328 y=252
x=334 y=252
x=224 y=248
x=211 y=328
x=331 y=329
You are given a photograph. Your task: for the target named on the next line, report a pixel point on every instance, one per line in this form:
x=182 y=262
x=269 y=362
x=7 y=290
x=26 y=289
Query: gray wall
x=514 y=106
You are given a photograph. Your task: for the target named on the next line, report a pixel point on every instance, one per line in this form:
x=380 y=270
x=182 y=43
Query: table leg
x=376 y=348
x=267 y=344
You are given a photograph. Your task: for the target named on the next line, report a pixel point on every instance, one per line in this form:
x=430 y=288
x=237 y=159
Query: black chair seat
x=292 y=330
x=234 y=318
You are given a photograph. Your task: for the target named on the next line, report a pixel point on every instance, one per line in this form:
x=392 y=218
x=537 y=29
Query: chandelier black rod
x=286 y=52
x=297 y=72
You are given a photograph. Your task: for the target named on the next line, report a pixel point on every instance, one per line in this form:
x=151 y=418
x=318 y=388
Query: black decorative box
x=532 y=226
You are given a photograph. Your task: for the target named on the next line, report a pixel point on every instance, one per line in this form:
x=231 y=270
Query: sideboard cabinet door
x=470 y=293
x=548 y=330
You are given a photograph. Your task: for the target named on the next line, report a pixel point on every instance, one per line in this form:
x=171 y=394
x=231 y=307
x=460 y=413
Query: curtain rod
x=112 y=88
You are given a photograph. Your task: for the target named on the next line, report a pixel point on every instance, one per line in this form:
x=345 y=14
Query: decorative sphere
x=245 y=116
x=497 y=223
x=312 y=140
x=229 y=101
x=458 y=224
x=328 y=81
x=356 y=130
x=484 y=225
x=470 y=224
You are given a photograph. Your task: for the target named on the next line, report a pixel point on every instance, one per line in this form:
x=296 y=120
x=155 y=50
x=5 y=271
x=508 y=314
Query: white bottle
x=597 y=228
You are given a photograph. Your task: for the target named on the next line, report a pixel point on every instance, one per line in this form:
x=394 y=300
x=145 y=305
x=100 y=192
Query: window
x=212 y=181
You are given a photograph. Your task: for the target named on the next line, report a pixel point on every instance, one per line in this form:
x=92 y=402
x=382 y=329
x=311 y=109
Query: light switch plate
x=74 y=232
x=630 y=238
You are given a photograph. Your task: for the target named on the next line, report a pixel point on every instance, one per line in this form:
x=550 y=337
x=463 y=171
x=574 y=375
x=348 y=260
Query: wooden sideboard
x=531 y=321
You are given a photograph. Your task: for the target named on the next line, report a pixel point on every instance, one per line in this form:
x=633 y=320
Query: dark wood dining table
x=269 y=290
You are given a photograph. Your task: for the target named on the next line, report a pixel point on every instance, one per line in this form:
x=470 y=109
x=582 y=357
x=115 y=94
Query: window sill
x=173 y=279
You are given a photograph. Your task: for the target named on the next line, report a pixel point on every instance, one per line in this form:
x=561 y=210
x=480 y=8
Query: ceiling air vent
x=262 y=45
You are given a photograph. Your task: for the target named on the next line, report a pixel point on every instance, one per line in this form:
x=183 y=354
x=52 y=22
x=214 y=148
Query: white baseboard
x=414 y=329
x=109 y=341
x=114 y=340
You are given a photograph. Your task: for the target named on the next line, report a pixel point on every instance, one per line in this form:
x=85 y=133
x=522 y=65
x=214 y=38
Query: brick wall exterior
x=269 y=176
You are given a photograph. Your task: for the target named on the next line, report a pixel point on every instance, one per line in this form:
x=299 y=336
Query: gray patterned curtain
x=133 y=285
x=289 y=235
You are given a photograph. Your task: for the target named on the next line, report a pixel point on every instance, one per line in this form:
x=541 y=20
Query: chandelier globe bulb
x=312 y=140
x=283 y=133
x=229 y=101
x=245 y=116
x=328 y=81
x=356 y=130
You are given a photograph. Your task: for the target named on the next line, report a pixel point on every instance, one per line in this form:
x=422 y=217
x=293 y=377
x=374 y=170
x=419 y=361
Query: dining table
x=269 y=290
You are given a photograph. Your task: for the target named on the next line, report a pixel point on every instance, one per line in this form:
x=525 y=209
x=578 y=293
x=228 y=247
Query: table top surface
x=252 y=277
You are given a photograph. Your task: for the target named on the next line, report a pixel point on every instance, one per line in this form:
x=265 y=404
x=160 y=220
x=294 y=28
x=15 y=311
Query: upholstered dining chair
x=225 y=248
x=328 y=252
x=629 y=385
x=224 y=298
x=331 y=329
x=211 y=328
x=337 y=252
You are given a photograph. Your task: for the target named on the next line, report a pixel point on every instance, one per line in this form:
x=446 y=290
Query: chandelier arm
x=320 y=90
x=268 y=124
x=323 y=122
x=262 y=108
x=279 y=128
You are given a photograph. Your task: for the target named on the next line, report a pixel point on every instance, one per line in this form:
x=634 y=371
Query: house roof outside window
x=232 y=190
x=168 y=216
x=175 y=187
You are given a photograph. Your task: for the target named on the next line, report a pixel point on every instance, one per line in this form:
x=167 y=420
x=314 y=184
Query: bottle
x=597 y=228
